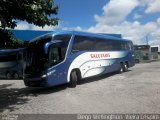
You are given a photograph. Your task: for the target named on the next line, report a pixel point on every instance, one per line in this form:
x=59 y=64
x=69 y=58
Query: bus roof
x=10 y=50
x=99 y=35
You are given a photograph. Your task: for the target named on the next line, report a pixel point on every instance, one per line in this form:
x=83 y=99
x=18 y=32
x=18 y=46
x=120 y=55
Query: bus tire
x=73 y=79
x=15 y=75
x=26 y=84
x=125 y=69
x=121 y=69
x=8 y=75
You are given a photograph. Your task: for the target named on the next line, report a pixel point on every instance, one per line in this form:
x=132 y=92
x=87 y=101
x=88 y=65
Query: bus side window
x=19 y=56
x=82 y=43
x=55 y=56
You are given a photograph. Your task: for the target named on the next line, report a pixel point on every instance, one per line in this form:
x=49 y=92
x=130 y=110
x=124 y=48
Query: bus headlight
x=43 y=76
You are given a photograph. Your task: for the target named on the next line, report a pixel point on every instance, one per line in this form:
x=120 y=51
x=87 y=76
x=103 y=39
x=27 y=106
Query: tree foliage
x=38 y=12
x=7 y=40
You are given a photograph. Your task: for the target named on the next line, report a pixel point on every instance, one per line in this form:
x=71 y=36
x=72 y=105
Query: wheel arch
x=10 y=74
x=77 y=71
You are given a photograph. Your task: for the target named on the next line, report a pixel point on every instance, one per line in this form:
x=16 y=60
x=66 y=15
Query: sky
x=137 y=20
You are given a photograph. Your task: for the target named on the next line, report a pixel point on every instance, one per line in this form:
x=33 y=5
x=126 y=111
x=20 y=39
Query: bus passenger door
x=57 y=68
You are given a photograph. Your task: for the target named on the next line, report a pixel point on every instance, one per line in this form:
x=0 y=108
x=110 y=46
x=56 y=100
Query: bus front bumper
x=35 y=81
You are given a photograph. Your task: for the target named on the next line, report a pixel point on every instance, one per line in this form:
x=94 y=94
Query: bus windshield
x=37 y=59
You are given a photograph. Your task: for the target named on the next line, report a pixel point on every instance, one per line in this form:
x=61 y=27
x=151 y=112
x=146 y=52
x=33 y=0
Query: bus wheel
x=121 y=68
x=125 y=67
x=8 y=75
x=15 y=75
x=73 y=79
x=26 y=83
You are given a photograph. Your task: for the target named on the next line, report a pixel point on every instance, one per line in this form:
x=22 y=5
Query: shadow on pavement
x=10 y=97
x=95 y=78
x=98 y=77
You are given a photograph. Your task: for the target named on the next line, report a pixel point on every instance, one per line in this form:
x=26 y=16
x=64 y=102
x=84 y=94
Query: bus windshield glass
x=37 y=60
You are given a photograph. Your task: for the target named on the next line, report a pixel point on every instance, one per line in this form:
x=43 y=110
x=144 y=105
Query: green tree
x=7 y=40
x=37 y=12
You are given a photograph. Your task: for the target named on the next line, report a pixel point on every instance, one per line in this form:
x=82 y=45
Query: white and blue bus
x=68 y=56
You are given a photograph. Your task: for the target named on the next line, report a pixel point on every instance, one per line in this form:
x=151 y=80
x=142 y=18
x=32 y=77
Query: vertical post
x=147 y=39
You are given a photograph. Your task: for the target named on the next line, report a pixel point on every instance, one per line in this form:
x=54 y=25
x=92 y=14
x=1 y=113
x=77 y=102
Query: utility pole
x=147 y=39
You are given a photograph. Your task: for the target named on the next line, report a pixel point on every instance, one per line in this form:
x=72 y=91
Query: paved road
x=136 y=91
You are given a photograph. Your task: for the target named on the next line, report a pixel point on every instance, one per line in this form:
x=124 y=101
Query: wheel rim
x=8 y=75
x=121 y=69
x=16 y=75
x=126 y=67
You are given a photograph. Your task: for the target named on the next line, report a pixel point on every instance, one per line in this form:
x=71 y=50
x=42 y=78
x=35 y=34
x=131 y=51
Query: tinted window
x=142 y=47
x=103 y=44
x=111 y=45
x=99 y=44
x=130 y=45
x=65 y=41
x=9 y=57
x=20 y=56
x=55 y=56
x=35 y=52
x=154 y=49
x=83 y=43
x=64 y=38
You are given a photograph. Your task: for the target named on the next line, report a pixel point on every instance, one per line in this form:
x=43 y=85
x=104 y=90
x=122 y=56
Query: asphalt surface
x=135 y=91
